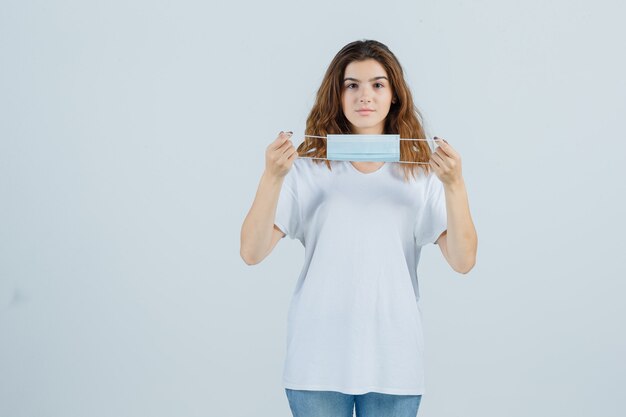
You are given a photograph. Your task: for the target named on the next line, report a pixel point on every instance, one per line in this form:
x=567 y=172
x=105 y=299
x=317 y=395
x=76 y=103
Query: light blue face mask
x=351 y=147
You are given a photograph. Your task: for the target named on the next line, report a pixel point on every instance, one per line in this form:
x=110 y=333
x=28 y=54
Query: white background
x=132 y=140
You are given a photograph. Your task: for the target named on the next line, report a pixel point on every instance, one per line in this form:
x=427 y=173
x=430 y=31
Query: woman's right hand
x=279 y=155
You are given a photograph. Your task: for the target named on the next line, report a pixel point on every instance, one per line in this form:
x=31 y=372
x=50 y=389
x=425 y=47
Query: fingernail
x=281 y=132
x=445 y=141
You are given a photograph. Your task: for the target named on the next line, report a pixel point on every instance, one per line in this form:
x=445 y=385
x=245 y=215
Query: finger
x=432 y=159
x=278 y=143
x=293 y=156
x=440 y=143
x=281 y=136
x=287 y=158
x=280 y=140
x=285 y=147
x=285 y=153
x=445 y=147
x=439 y=159
x=290 y=150
x=441 y=153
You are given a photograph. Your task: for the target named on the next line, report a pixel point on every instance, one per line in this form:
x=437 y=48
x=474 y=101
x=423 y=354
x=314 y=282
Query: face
x=366 y=86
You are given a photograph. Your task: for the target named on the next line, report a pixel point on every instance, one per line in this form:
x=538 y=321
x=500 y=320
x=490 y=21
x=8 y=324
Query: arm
x=459 y=243
x=259 y=235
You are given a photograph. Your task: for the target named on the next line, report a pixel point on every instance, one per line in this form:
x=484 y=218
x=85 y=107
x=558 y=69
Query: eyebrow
x=371 y=79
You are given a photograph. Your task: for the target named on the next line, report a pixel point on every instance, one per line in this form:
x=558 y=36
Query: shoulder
x=304 y=167
x=299 y=171
x=433 y=180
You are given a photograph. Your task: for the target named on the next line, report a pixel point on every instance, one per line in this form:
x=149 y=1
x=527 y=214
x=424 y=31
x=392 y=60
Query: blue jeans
x=337 y=404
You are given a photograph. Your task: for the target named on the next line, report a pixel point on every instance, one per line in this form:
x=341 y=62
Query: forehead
x=364 y=70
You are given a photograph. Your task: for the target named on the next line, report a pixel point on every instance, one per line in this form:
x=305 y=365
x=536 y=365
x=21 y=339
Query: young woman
x=354 y=334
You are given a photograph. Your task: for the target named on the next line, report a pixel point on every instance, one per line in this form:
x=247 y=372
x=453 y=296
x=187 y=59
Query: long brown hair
x=326 y=116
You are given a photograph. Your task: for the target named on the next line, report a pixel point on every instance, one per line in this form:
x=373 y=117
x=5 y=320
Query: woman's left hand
x=446 y=162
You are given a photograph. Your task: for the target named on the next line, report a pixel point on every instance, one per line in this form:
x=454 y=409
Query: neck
x=374 y=130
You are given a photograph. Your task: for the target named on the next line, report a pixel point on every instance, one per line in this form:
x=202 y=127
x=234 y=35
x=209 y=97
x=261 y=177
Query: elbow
x=465 y=267
x=247 y=259
x=467 y=263
x=464 y=270
x=245 y=250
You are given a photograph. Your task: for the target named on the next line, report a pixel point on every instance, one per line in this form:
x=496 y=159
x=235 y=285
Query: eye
x=382 y=85
x=348 y=86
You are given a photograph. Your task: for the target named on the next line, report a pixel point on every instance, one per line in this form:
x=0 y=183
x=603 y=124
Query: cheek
x=346 y=100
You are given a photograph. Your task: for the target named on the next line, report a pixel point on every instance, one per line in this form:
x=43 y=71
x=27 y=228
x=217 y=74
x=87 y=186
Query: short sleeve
x=432 y=219
x=287 y=210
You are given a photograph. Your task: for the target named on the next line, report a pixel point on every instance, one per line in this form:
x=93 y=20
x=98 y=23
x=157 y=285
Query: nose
x=365 y=95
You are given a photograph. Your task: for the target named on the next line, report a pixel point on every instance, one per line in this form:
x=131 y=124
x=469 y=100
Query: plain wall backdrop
x=132 y=141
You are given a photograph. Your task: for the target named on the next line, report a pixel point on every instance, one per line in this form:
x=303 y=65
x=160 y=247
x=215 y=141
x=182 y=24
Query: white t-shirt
x=354 y=324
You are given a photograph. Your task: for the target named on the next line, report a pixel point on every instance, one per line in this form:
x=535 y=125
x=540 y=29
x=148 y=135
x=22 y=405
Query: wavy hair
x=327 y=117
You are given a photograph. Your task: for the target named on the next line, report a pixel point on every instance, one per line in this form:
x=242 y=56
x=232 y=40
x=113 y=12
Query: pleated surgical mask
x=371 y=148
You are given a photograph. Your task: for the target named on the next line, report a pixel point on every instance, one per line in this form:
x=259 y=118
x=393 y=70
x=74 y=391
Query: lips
x=365 y=111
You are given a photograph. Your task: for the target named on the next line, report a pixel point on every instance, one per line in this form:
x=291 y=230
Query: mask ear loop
x=400 y=162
